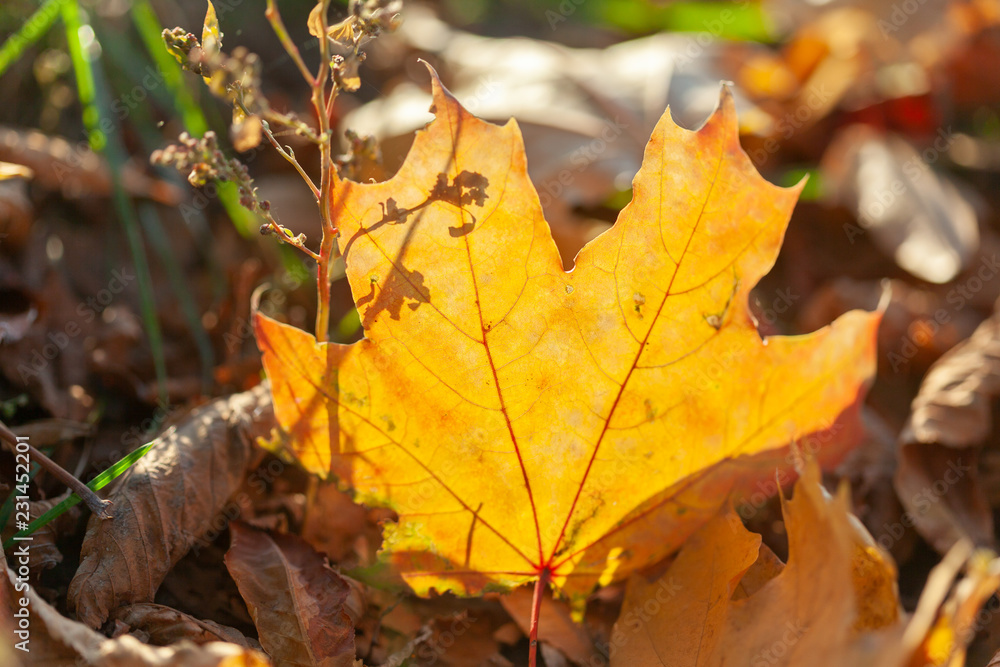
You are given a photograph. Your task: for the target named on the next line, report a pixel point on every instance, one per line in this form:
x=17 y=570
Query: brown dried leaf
x=343 y=32
x=314 y=21
x=17 y=214
x=460 y=640
x=165 y=625
x=56 y=641
x=44 y=552
x=50 y=357
x=75 y=170
x=915 y=215
x=299 y=605
x=165 y=504
x=337 y=526
x=937 y=480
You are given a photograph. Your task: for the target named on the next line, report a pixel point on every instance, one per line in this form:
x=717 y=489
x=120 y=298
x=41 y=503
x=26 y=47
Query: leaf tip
x=211 y=36
x=439 y=94
x=726 y=110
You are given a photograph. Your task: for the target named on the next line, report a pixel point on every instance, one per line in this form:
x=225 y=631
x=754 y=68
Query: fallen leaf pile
x=165 y=504
x=940 y=447
x=567 y=432
x=727 y=600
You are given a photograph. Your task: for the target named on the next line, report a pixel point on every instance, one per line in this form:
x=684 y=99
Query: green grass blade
x=85 y=89
x=126 y=63
x=153 y=227
x=192 y=117
x=96 y=484
x=150 y=29
x=37 y=25
x=101 y=132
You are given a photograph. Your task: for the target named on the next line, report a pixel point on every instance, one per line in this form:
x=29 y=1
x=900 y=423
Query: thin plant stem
x=287 y=236
x=278 y=26
x=101 y=508
x=536 y=607
x=320 y=104
x=103 y=479
x=290 y=156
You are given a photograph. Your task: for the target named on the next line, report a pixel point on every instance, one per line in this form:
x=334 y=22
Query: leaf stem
x=536 y=606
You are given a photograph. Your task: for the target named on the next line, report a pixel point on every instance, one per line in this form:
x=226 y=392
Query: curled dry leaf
x=301 y=607
x=342 y=32
x=939 y=448
x=505 y=408
x=166 y=502
x=51 y=639
x=164 y=626
x=75 y=170
x=914 y=214
x=834 y=603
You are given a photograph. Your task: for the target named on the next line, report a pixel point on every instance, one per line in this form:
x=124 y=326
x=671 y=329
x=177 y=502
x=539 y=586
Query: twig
x=101 y=508
x=290 y=156
x=279 y=29
x=321 y=106
x=286 y=236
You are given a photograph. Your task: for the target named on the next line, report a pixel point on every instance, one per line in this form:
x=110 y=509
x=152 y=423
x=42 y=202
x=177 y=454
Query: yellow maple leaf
x=529 y=423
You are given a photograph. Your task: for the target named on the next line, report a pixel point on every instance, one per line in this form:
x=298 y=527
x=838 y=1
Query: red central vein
x=503 y=403
x=455 y=124
x=635 y=362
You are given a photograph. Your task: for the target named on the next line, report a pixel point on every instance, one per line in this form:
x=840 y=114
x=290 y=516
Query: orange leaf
x=523 y=420
x=836 y=586
x=834 y=603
